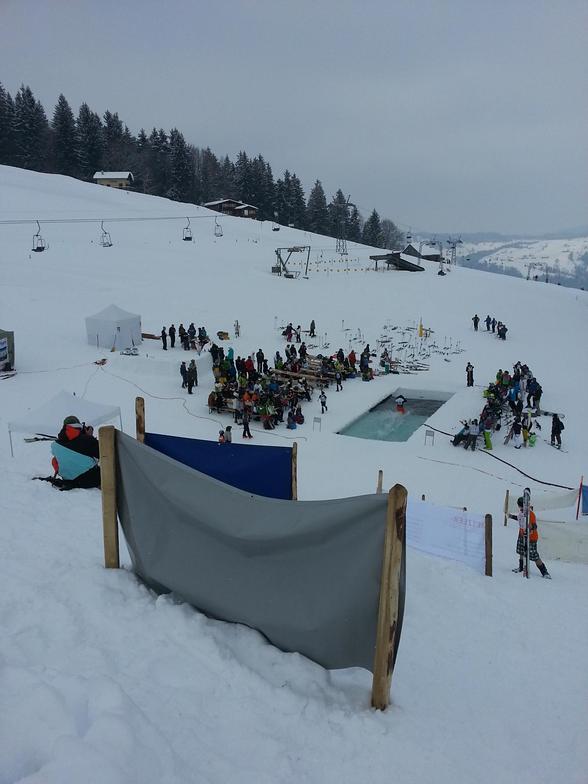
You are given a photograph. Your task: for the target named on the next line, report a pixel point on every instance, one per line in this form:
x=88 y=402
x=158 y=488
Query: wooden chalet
x=232 y=207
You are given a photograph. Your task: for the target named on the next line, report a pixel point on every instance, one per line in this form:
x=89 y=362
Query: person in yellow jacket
x=533 y=539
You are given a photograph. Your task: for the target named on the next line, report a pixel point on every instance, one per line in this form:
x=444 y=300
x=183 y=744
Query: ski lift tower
x=341 y=244
x=453 y=243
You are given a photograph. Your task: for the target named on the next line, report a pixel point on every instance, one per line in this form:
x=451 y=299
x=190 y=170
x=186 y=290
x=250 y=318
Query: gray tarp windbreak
x=306 y=574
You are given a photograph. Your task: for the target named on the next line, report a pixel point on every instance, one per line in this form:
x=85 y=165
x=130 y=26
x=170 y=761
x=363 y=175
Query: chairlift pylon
x=105 y=240
x=218 y=229
x=38 y=241
x=187 y=233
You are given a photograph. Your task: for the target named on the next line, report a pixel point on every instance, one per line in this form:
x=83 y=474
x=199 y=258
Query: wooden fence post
x=106 y=436
x=380 y=482
x=506 y=507
x=488 y=544
x=294 y=471
x=387 y=627
x=140 y=418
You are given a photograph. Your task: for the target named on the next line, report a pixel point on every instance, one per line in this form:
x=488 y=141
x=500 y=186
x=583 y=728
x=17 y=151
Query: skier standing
x=470 y=374
x=164 y=338
x=556 y=427
x=476 y=320
x=192 y=376
x=339 y=381
x=493 y=324
x=172 y=335
x=533 y=539
x=184 y=375
x=312 y=329
x=246 y=420
x=488 y=322
x=323 y=401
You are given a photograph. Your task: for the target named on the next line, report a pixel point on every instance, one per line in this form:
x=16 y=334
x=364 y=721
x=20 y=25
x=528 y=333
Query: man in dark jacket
x=184 y=375
x=556 y=427
x=78 y=438
x=164 y=338
x=172 y=335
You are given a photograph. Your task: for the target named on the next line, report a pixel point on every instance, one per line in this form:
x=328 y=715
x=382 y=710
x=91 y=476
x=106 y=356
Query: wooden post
x=140 y=418
x=380 y=482
x=389 y=597
x=506 y=507
x=488 y=544
x=294 y=471
x=108 y=481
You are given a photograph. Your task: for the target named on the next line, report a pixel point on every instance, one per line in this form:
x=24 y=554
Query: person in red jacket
x=533 y=539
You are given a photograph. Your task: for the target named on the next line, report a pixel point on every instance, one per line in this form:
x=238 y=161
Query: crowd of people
x=492 y=325
x=190 y=338
x=515 y=396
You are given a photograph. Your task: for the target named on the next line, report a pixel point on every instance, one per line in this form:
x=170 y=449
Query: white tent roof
x=114 y=313
x=48 y=419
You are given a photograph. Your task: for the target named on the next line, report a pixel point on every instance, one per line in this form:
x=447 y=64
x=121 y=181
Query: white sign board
x=447 y=532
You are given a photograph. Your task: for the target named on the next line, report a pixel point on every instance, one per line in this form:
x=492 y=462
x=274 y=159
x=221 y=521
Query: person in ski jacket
x=323 y=401
x=473 y=436
x=476 y=320
x=172 y=336
x=221 y=437
x=521 y=548
x=488 y=322
x=260 y=357
x=470 y=374
x=462 y=435
x=556 y=427
x=164 y=338
x=75 y=439
x=516 y=431
x=192 y=331
x=312 y=329
x=493 y=325
x=352 y=359
x=192 y=378
x=184 y=375
x=246 y=420
x=338 y=381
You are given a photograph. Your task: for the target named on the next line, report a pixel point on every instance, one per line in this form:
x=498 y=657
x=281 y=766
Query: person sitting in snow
x=75 y=456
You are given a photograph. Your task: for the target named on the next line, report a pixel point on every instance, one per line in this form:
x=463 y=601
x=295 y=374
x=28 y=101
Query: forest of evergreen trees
x=164 y=164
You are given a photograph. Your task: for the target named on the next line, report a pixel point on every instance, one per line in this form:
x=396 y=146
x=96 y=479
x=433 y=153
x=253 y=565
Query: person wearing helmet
x=533 y=539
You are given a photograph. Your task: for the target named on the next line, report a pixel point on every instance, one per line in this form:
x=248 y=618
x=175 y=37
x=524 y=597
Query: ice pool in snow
x=384 y=423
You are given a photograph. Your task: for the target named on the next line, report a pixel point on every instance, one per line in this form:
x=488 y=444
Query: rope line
x=486 y=452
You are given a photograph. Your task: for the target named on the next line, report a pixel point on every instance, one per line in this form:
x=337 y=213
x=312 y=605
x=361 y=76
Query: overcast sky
x=445 y=115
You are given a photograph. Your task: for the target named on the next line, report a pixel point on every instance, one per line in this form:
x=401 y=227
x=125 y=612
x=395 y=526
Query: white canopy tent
x=48 y=419
x=114 y=328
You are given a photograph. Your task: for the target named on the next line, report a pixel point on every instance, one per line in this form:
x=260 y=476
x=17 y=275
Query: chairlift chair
x=105 y=240
x=218 y=229
x=187 y=234
x=38 y=241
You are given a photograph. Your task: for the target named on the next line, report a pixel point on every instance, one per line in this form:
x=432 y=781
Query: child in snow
x=323 y=401
x=556 y=427
x=533 y=539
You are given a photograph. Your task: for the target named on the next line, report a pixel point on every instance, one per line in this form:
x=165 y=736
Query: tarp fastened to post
x=263 y=470
x=305 y=574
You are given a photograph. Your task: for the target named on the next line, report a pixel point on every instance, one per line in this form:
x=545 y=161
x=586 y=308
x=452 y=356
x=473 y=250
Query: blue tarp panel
x=585 y=499
x=263 y=470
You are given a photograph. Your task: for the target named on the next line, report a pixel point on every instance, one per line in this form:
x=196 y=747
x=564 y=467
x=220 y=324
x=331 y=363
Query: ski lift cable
x=28 y=221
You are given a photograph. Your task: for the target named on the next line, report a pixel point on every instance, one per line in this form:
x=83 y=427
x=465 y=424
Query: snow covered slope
x=103 y=682
x=563 y=260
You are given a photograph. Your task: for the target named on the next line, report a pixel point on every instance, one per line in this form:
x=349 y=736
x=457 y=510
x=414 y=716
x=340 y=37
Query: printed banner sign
x=447 y=532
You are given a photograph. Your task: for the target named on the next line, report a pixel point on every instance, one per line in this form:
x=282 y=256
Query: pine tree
x=158 y=162
x=317 y=213
x=244 y=178
x=65 y=159
x=282 y=203
x=31 y=131
x=354 y=225
x=90 y=141
x=113 y=134
x=7 y=144
x=392 y=237
x=338 y=215
x=297 y=203
x=227 y=182
x=181 y=179
x=372 y=231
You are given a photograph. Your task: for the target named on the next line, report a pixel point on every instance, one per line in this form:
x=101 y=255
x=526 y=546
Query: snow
x=559 y=256
x=101 y=681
